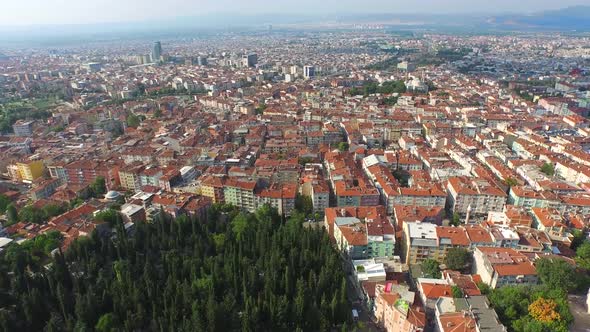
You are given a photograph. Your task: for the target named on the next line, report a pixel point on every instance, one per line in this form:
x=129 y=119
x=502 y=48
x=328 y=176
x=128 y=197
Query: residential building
x=129 y=176
x=23 y=128
x=396 y=309
x=469 y=314
x=421 y=241
x=240 y=193
x=503 y=266
x=26 y=170
x=320 y=196
x=474 y=197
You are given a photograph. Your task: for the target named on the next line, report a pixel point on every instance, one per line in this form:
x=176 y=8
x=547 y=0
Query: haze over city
x=32 y=12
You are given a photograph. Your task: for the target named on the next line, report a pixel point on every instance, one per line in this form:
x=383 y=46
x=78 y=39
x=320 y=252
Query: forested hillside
x=235 y=271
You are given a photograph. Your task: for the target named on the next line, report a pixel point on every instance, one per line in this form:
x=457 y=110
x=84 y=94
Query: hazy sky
x=25 y=12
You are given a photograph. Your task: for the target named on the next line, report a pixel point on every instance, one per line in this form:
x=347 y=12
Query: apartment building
x=529 y=198
x=364 y=232
x=320 y=196
x=430 y=196
x=129 y=177
x=26 y=170
x=150 y=176
x=84 y=172
x=553 y=223
x=212 y=187
x=422 y=240
x=419 y=242
x=474 y=196
x=278 y=196
x=351 y=195
x=240 y=193
x=351 y=237
x=43 y=188
x=469 y=314
x=23 y=128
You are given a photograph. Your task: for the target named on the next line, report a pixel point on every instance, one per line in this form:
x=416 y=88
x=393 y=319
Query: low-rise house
x=553 y=224
x=396 y=309
x=469 y=314
x=503 y=266
x=431 y=290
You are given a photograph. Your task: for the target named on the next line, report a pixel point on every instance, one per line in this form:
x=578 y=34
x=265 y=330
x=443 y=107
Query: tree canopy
x=457 y=292
x=532 y=309
x=511 y=182
x=559 y=274
x=431 y=269
x=548 y=169
x=304 y=204
x=4 y=202
x=457 y=258
x=133 y=120
x=11 y=213
x=234 y=271
x=388 y=87
x=30 y=213
x=343 y=146
x=98 y=187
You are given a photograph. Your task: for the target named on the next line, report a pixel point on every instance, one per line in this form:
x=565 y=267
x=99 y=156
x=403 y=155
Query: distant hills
x=571 y=18
x=565 y=20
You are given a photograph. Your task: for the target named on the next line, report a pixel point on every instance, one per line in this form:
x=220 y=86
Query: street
x=356 y=299
x=579 y=311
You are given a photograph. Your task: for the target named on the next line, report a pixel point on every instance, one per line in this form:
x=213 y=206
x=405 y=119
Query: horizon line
x=294 y=15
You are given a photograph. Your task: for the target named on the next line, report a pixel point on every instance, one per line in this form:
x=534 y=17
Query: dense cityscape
x=363 y=178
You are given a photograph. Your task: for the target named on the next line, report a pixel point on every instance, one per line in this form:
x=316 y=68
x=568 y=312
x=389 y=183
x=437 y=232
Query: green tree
x=483 y=288
x=548 y=169
x=457 y=292
x=304 y=204
x=240 y=225
x=109 y=216
x=305 y=160
x=98 y=187
x=583 y=255
x=510 y=182
x=457 y=258
x=133 y=120
x=260 y=109
x=106 y=323
x=4 y=202
x=343 y=146
x=456 y=221
x=179 y=274
x=30 y=213
x=431 y=269
x=11 y=213
x=52 y=210
x=556 y=274
x=579 y=238
x=402 y=176
x=521 y=310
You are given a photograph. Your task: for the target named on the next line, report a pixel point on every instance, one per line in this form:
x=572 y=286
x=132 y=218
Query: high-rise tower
x=157 y=52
